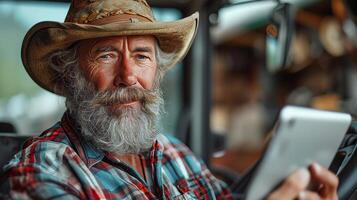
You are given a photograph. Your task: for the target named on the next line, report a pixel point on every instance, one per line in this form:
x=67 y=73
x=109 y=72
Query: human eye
x=142 y=57
x=106 y=57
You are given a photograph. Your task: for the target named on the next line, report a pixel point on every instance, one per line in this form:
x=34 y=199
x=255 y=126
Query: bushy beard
x=124 y=130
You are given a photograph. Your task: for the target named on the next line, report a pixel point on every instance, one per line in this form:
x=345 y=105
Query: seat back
x=7 y=127
x=344 y=165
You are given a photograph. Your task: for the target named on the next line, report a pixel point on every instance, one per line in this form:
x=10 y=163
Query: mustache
x=125 y=95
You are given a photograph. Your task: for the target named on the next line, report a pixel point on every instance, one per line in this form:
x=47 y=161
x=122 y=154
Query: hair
x=64 y=61
x=128 y=130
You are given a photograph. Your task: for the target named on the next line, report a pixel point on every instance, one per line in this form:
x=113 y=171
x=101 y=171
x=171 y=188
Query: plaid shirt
x=61 y=165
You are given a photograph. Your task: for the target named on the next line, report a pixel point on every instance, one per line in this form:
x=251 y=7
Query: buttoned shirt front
x=60 y=164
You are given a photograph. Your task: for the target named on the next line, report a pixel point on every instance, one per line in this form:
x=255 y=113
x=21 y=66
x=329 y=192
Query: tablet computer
x=301 y=136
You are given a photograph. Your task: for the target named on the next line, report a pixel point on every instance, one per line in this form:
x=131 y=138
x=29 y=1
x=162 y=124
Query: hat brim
x=45 y=38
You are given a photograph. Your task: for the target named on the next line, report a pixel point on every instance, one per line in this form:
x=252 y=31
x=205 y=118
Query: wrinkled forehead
x=132 y=42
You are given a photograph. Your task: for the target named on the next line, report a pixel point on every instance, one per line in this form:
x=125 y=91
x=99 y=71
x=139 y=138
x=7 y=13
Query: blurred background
x=249 y=59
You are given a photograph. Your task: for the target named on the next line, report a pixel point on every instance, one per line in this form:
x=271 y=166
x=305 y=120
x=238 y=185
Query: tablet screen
x=302 y=135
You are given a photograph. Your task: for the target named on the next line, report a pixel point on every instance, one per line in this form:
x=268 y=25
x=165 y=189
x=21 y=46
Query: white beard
x=126 y=130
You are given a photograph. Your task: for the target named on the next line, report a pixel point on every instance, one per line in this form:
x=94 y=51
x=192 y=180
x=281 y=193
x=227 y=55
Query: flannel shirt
x=61 y=165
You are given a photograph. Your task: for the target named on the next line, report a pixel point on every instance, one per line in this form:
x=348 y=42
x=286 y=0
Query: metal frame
x=198 y=69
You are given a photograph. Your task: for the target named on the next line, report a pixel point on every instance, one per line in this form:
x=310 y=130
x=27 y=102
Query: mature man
x=107 y=59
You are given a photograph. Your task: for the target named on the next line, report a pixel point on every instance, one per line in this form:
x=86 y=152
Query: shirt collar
x=88 y=153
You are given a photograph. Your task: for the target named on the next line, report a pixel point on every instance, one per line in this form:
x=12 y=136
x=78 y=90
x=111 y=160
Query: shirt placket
x=125 y=167
x=141 y=184
x=156 y=169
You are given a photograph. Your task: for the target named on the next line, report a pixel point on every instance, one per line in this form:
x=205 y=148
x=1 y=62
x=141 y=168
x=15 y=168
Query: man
x=107 y=59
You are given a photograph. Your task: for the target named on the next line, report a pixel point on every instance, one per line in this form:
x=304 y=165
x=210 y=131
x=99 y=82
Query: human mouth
x=120 y=105
x=130 y=103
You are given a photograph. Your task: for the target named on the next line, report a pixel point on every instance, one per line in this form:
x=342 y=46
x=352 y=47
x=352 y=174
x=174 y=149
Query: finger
x=328 y=180
x=308 y=195
x=292 y=186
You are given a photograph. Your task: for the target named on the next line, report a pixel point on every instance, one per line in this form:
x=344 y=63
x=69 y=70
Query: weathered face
x=114 y=94
x=121 y=61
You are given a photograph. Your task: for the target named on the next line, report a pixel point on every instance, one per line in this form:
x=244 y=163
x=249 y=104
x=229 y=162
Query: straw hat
x=83 y=21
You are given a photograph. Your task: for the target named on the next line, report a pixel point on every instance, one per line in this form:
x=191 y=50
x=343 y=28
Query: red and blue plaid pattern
x=61 y=165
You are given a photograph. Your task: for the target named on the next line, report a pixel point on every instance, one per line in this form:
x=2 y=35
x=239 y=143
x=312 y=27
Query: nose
x=126 y=75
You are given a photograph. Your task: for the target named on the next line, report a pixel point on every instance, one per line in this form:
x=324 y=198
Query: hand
x=295 y=186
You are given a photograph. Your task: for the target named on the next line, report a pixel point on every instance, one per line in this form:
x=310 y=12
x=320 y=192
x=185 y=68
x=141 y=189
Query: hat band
x=131 y=18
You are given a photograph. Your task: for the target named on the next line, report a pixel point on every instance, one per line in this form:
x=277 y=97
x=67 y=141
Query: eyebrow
x=111 y=48
x=105 y=49
x=143 y=49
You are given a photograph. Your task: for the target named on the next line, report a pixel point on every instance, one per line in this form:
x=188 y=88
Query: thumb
x=292 y=185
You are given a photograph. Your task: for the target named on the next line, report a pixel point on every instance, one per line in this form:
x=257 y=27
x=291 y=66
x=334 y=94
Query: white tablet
x=301 y=136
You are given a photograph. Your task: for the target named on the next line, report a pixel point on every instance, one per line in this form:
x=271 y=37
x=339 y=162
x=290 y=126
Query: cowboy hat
x=84 y=21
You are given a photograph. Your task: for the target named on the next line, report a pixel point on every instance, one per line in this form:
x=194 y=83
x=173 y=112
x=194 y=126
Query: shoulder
x=54 y=134
x=177 y=153
x=46 y=151
x=181 y=165
x=47 y=167
x=172 y=146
